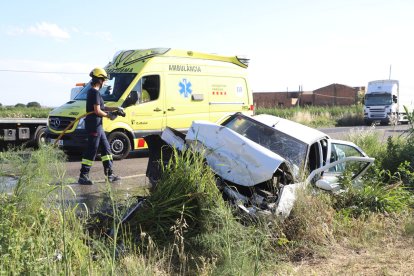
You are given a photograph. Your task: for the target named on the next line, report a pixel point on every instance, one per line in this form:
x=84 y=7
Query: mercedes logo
x=55 y=122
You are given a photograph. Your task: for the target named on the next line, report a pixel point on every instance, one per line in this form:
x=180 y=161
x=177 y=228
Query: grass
x=185 y=228
x=320 y=116
x=24 y=112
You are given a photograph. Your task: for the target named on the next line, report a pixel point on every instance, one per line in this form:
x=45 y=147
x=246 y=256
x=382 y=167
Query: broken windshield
x=280 y=143
x=113 y=88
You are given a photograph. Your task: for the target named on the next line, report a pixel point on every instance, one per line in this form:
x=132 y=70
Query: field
x=320 y=116
x=185 y=228
x=311 y=115
x=24 y=112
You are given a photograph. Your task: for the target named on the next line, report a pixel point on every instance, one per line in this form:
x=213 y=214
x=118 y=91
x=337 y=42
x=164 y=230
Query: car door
x=145 y=111
x=342 y=156
x=323 y=178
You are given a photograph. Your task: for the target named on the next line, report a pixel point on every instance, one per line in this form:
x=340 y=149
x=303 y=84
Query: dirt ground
x=395 y=258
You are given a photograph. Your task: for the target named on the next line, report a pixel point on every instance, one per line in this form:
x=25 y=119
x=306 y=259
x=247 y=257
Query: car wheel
x=119 y=144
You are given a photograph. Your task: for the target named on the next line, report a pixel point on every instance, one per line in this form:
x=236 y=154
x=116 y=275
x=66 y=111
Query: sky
x=48 y=46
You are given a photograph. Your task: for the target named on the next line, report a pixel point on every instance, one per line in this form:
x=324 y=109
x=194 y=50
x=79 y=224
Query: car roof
x=301 y=132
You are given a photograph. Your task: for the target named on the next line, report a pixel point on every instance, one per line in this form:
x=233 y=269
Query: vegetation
x=33 y=104
x=19 y=105
x=24 y=112
x=185 y=228
x=320 y=116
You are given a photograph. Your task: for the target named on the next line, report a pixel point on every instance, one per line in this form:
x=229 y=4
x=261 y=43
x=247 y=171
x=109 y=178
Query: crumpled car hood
x=232 y=156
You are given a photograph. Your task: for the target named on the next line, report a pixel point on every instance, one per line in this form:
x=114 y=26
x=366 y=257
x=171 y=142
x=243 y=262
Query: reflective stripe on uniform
x=87 y=162
x=106 y=158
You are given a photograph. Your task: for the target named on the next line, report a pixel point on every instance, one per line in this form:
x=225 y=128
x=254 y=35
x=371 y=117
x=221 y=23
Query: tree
x=20 y=105
x=34 y=104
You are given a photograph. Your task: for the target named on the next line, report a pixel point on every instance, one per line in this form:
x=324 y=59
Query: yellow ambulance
x=158 y=87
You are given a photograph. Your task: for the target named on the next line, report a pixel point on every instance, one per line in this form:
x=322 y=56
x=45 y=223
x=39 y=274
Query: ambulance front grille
x=59 y=123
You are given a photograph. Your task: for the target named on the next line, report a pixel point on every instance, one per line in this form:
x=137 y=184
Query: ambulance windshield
x=113 y=88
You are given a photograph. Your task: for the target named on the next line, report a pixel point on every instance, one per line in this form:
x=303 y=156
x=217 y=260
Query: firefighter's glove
x=120 y=111
x=112 y=116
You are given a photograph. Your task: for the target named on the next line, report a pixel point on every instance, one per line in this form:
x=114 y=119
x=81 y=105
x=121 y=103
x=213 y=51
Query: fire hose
x=116 y=112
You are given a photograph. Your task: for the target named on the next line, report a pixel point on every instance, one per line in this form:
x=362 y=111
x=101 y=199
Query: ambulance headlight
x=81 y=124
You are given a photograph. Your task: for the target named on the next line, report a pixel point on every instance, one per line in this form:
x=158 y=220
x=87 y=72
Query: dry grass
x=380 y=259
x=324 y=242
x=303 y=117
x=379 y=245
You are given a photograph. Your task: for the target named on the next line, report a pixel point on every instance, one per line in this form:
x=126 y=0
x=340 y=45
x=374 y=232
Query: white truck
x=384 y=104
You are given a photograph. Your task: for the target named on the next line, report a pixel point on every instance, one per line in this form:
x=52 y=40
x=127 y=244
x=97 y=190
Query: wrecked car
x=260 y=161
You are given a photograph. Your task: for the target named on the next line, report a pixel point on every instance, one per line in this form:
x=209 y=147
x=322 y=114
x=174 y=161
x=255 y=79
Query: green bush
x=187 y=189
x=19 y=105
x=33 y=105
x=372 y=195
x=399 y=150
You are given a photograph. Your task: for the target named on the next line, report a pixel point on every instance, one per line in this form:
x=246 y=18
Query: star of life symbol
x=185 y=88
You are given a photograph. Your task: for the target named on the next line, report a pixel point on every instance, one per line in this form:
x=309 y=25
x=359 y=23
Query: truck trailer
x=384 y=104
x=18 y=131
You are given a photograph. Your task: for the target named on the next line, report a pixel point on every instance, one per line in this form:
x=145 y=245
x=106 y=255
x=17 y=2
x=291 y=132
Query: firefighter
x=96 y=135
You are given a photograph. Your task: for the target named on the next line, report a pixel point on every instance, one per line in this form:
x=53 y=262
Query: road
x=132 y=169
x=383 y=131
x=133 y=181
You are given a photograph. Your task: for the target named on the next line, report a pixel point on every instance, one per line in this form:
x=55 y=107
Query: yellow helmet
x=99 y=73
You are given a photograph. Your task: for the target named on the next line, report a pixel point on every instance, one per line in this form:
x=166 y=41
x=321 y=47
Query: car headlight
x=81 y=124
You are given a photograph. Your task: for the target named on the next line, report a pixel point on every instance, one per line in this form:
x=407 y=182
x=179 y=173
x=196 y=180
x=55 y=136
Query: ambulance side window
x=147 y=89
x=150 y=88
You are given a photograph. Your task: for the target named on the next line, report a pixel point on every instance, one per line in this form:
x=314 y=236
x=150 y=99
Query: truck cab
x=381 y=102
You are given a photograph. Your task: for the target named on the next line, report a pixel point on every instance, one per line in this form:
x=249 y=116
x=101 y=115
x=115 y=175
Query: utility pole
x=389 y=77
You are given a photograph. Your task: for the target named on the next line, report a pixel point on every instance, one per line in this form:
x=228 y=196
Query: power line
x=40 y=72
x=330 y=96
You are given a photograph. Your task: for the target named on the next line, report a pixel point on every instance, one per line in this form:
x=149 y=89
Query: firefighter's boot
x=84 y=179
x=111 y=177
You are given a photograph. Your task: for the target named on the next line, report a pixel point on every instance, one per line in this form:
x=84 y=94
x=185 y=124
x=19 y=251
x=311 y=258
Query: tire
x=40 y=137
x=119 y=144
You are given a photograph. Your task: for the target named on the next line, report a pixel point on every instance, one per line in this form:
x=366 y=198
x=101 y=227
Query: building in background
x=333 y=94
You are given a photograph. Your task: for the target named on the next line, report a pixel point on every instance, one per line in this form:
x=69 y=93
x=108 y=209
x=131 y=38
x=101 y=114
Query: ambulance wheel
x=119 y=145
